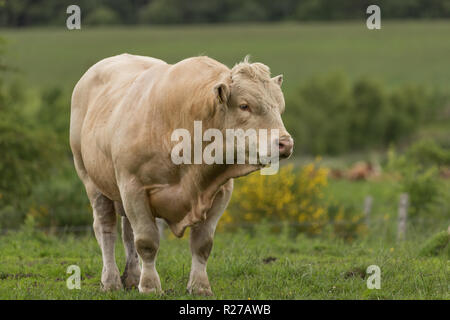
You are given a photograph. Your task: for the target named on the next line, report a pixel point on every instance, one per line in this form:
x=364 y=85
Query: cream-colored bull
x=124 y=110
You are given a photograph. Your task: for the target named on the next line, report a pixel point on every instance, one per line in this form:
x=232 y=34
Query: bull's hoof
x=147 y=290
x=199 y=284
x=200 y=291
x=149 y=282
x=130 y=280
x=111 y=282
x=112 y=286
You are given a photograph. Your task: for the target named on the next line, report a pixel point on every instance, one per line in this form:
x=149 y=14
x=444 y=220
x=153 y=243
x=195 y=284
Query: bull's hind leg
x=146 y=234
x=132 y=272
x=201 y=241
x=106 y=232
x=104 y=227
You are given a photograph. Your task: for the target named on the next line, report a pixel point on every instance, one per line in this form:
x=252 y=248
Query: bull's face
x=254 y=101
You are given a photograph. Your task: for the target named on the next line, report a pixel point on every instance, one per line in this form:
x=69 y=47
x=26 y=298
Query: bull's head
x=254 y=101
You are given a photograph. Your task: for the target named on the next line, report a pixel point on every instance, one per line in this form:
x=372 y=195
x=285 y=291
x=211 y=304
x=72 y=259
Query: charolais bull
x=124 y=113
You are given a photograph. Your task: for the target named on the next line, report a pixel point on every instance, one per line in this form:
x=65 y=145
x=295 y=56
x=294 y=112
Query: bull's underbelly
x=177 y=208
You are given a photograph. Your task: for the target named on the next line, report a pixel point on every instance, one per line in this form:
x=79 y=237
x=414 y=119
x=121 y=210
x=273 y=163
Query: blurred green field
x=406 y=51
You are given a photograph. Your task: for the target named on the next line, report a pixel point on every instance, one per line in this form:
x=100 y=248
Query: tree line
x=22 y=13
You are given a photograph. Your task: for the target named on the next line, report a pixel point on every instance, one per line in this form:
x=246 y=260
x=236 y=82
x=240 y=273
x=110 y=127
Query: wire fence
x=369 y=221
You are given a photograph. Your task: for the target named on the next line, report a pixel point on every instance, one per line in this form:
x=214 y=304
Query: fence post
x=367 y=209
x=402 y=216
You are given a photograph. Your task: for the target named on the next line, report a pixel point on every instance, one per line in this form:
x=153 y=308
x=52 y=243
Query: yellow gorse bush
x=292 y=196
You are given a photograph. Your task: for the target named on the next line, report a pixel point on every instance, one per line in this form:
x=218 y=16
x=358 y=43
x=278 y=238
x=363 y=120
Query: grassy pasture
x=263 y=266
x=414 y=51
x=243 y=266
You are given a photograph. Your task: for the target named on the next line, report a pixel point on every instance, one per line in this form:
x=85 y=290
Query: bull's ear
x=222 y=92
x=278 y=79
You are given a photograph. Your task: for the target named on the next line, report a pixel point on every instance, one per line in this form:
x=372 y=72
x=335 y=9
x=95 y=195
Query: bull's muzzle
x=286 y=146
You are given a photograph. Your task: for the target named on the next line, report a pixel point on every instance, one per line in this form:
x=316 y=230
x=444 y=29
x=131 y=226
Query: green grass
x=34 y=267
x=406 y=51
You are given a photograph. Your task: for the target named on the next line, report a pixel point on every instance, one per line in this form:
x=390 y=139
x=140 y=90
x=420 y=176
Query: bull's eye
x=244 y=107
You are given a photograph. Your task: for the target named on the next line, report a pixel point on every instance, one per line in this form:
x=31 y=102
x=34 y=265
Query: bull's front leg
x=146 y=235
x=201 y=241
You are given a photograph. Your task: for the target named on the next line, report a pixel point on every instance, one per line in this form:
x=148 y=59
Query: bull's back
x=99 y=91
x=105 y=83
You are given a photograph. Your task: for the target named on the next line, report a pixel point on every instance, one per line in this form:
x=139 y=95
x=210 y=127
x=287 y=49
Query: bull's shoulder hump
x=143 y=60
x=127 y=59
x=196 y=70
x=123 y=63
x=202 y=62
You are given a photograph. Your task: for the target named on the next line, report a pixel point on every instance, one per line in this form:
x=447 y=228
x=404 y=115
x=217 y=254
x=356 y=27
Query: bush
x=429 y=152
x=437 y=244
x=295 y=198
x=247 y=11
x=37 y=179
x=319 y=124
x=44 y=12
x=346 y=221
x=60 y=200
x=53 y=113
x=332 y=115
x=28 y=149
x=102 y=15
x=3 y=66
x=160 y=12
x=419 y=180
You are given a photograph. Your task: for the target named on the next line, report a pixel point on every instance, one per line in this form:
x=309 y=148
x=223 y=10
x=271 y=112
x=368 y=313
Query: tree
x=27 y=150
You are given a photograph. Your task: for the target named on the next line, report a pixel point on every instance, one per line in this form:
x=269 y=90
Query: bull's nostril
x=285 y=146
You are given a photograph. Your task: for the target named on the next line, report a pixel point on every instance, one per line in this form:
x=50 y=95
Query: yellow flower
x=293 y=195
